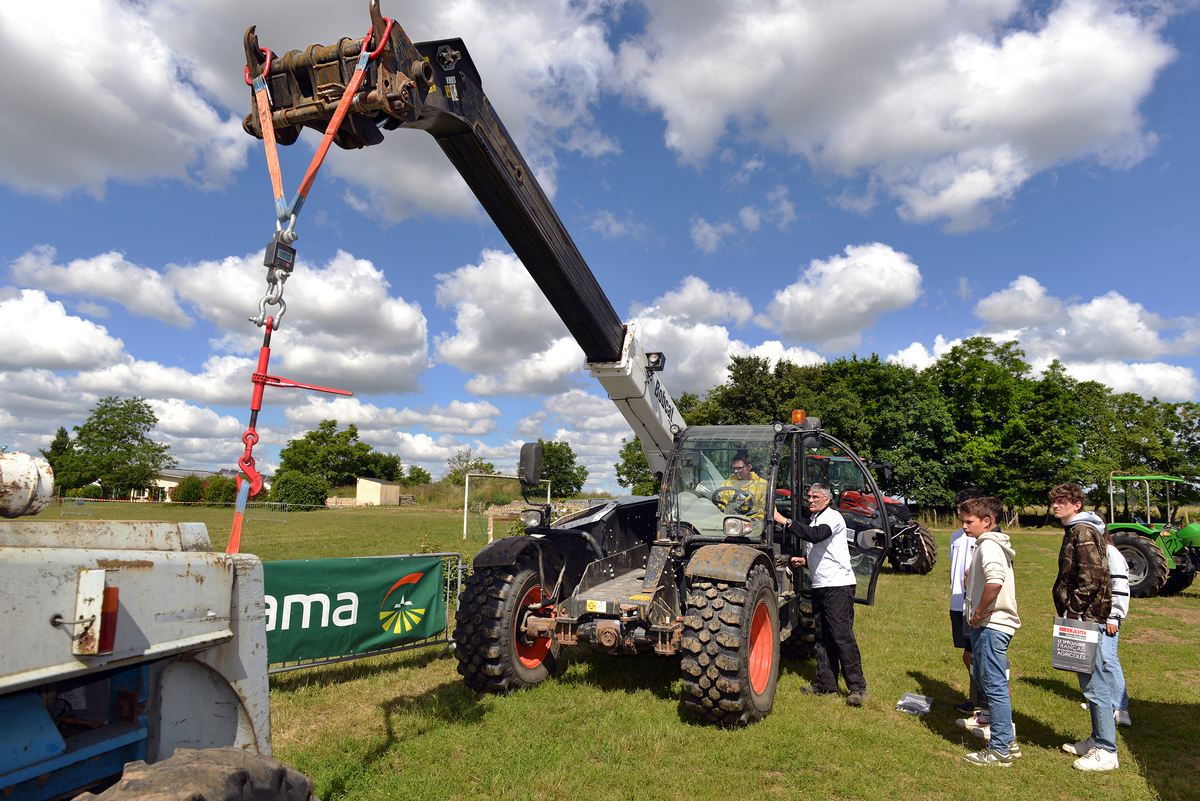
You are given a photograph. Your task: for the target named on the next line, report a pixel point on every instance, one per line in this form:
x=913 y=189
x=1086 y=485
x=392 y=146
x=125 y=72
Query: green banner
x=319 y=608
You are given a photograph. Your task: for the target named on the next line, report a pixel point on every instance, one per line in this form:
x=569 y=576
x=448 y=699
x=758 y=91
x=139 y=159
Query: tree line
x=112 y=456
x=111 y=448
x=980 y=416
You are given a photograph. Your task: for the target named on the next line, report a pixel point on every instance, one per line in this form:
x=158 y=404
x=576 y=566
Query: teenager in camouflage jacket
x=1083 y=588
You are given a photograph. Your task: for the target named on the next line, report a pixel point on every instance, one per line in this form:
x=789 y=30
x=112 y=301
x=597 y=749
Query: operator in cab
x=752 y=484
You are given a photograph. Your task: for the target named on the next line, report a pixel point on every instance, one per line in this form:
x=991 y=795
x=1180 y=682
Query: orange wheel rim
x=530 y=655
x=762 y=648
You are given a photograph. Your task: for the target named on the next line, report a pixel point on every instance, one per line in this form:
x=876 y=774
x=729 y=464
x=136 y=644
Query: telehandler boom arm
x=434 y=86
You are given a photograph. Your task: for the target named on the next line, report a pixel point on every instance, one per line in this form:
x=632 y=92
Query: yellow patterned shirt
x=756 y=505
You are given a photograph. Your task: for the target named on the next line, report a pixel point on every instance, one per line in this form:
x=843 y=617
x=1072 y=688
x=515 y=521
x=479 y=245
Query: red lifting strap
x=246 y=462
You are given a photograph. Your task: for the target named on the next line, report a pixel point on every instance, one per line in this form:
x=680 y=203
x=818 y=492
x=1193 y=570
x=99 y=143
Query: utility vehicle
x=1163 y=557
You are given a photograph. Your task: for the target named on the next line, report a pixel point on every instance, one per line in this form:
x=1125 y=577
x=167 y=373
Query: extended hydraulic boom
x=434 y=87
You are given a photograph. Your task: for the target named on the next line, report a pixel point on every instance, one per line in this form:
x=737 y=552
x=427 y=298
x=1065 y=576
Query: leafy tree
x=1050 y=449
x=1099 y=451
x=633 y=472
x=70 y=470
x=59 y=447
x=190 y=490
x=114 y=447
x=299 y=489
x=558 y=467
x=337 y=457
x=416 y=476
x=461 y=463
x=384 y=466
x=220 y=490
x=989 y=392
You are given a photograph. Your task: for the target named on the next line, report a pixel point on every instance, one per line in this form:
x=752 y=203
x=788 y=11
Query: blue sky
x=801 y=180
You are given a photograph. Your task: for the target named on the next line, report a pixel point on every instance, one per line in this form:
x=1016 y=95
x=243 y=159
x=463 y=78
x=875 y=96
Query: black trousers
x=833 y=608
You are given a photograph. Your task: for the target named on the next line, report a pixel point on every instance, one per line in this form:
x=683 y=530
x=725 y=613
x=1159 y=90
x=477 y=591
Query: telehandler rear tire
x=492 y=655
x=730 y=645
x=212 y=774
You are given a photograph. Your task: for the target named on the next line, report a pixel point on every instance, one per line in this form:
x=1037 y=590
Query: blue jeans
x=1113 y=663
x=1098 y=690
x=989 y=661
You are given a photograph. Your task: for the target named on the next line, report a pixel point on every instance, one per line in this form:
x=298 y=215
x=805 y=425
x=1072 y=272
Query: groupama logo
x=402 y=617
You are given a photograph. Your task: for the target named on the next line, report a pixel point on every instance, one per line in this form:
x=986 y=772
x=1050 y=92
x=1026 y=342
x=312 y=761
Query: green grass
x=405 y=727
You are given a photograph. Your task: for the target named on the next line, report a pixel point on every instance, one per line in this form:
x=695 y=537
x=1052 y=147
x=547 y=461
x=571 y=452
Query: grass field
x=405 y=727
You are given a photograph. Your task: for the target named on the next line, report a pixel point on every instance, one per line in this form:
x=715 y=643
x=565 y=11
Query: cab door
x=858 y=500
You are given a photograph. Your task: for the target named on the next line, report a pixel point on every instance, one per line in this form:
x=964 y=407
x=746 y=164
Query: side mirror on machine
x=884 y=468
x=529 y=471
x=810 y=434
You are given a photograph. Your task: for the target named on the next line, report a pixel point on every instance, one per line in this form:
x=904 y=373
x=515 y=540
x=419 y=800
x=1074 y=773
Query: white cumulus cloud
x=947 y=106
x=836 y=299
x=109 y=276
x=118 y=109
x=506 y=332
x=706 y=236
x=1106 y=328
x=38 y=332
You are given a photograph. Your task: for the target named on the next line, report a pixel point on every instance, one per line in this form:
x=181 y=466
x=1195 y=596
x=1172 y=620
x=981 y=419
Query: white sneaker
x=985 y=732
x=1097 y=759
x=1122 y=718
x=980 y=718
x=1081 y=748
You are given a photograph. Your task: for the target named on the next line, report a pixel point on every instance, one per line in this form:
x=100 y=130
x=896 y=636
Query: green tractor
x=1163 y=557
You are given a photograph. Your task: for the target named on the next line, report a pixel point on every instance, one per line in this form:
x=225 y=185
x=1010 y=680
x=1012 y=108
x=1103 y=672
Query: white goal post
x=467 y=491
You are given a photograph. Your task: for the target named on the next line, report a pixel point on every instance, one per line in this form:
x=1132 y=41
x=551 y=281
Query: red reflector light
x=108 y=620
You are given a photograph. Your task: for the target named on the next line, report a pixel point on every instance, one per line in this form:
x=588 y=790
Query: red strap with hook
x=263 y=101
x=261 y=380
x=360 y=72
x=246 y=462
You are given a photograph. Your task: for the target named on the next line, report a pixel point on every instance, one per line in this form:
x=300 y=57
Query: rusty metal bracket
x=305 y=86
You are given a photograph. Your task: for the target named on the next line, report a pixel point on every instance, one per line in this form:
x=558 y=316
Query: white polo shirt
x=829 y=560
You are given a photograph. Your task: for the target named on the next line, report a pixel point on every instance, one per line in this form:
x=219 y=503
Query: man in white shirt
x=833 y=581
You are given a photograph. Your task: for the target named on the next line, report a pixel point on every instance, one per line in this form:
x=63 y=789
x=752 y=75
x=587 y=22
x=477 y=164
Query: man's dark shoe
x=966 y=707
x=857 y=698
x=813 y=689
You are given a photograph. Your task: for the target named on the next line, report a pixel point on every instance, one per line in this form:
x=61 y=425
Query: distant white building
x=376 y=492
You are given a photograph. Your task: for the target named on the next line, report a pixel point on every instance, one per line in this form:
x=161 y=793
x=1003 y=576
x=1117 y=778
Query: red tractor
x=913 y=549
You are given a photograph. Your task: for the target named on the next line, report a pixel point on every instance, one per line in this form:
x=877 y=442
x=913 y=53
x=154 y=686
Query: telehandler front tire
x=803 y=641
x=493 y=656
x=730 y=645
x=922 y=553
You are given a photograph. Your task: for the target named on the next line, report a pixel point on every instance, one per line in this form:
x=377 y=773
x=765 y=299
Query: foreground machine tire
x=731 y=649
x=492 y=656
x=214 y=774
x=1147 y=564
x=918 y=554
